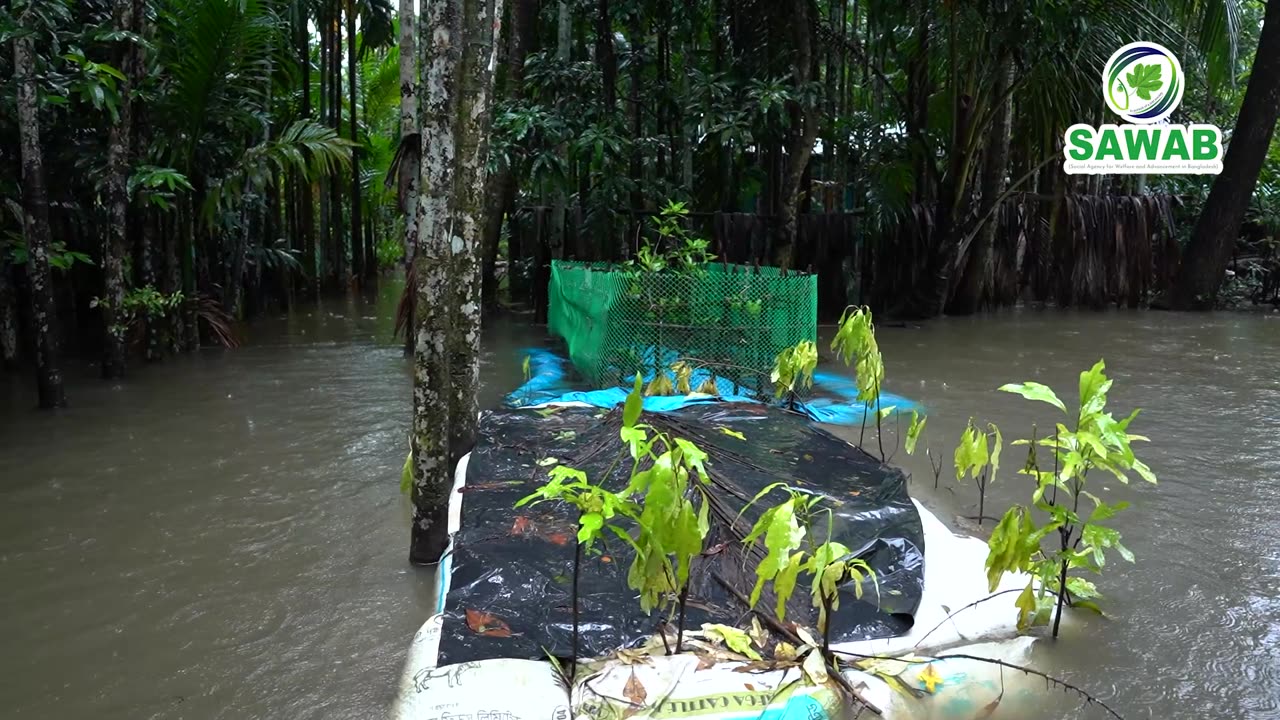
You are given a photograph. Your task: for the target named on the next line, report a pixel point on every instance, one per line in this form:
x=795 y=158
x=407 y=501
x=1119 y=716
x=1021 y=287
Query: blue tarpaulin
x=833 y=399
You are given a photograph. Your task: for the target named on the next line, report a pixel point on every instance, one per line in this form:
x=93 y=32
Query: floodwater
x=222 y=536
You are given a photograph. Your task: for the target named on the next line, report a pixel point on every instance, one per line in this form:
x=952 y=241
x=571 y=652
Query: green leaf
x=406 y=474
x=1093 y=388
x=1145 y=79
x=1026 y=604
x=733 y=638
x=589 y=527
x=1105 y=511
x=1089 y=605
x=732 y=433
x=1082 y=589
x=784 y=584
x=1144 y=471
x=1035 y=391
x=914 y=431
x=693 y=456
x=635 y=403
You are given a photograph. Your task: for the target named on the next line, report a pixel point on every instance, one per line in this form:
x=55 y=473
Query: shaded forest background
x=170 y=168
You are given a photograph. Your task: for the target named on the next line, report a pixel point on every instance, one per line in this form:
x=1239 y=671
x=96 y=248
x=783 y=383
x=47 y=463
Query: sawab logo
x=1143 y=84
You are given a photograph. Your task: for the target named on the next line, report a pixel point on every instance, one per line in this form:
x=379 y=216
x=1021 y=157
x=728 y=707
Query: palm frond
x=306 y=147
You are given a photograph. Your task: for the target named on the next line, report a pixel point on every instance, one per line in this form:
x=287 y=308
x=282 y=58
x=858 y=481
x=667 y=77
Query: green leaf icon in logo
x=1145 y=79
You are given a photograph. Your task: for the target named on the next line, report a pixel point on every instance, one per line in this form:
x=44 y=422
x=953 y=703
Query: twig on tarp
x=1050 y=681
x=948 y=618
x=792 y=637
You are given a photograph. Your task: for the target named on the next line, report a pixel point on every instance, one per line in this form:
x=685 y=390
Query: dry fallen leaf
x=487 y=625
x=815 y=667
x=705 y=662
x=634 y=690
x=784 y=651
x=520 y=526
x=758 y=634
x=989 y=709
x=806 y=637
x=633 y=657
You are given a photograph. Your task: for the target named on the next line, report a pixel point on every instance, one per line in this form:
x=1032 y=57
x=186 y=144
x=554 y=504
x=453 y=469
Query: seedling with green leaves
x=978 y=456
x=855 y=344
x=597 y=509
x=1097 y=441
x=792 y=550
x=669 y=529
x=793 y=371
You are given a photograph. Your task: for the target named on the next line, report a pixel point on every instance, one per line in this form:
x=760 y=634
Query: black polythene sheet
x=513 y=568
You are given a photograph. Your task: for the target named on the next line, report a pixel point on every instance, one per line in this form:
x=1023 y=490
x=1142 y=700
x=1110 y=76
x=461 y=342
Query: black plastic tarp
x=512 y=568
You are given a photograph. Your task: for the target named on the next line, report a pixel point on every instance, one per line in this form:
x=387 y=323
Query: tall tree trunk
x=115 y=319
x=410 y=167
x=442 y=40
x=975 y=282
x=35 y=221
x=324 y=244
x=635 y=41
x=8 y=315
x=459 y=63
x=358 y=254
x=154 y=351
x=564 y=51
x=306 y=204
x=501 y=193
x=1205 y=262
x=805 y=134
x=338 y=238
x=482 y=20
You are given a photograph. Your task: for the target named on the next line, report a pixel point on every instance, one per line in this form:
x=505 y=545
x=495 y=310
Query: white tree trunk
x=479 y=60
x=442 y=43
x=35 y=222
x=410 y=166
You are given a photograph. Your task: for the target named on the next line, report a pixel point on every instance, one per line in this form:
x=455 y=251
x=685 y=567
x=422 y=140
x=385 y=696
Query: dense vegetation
x=173 y=166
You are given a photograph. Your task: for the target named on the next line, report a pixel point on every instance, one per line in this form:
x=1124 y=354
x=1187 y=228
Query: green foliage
x=914 y=431
x=157 y=185
x=406 y=475
x=60 y=258
x=95 y=82
x=142 y=302
x=596 y=506
x=855 y=344
x=1098 y=441
x=1145 y=79
x=677 y=248
x=793 y=369
x=791 y=551
x=735 y=639
x=978 y=454
x=657 y=504
x=389 y=250
x=307 y=147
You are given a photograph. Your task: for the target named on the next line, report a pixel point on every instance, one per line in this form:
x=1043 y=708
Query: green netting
x=731 y=319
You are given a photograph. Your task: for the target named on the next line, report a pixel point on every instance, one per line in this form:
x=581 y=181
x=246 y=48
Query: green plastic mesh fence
x=730 y=319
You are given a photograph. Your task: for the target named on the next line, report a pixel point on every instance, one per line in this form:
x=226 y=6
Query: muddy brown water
x=222 y=536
